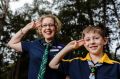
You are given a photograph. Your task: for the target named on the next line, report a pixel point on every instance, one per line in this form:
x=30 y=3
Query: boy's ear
x=106 y=40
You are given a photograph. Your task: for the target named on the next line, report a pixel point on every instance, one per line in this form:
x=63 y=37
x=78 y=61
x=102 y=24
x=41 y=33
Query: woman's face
x=48 y=28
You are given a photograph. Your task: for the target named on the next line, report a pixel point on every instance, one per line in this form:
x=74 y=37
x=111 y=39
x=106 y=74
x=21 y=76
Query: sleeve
x=64 y=67
x=25 y=46
x=119 y=71
x=70 y=55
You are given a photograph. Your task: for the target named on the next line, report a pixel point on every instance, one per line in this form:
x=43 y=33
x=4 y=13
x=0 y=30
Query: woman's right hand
x=33 y=25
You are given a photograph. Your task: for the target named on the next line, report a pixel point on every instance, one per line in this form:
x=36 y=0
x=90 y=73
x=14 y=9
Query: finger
x=33 y=24
x=38 y=24
x=81 y=42
x=75 y=45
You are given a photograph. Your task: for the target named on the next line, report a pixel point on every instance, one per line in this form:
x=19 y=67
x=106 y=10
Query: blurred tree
x=74 y=14
x=3 y=13
x=11 y=66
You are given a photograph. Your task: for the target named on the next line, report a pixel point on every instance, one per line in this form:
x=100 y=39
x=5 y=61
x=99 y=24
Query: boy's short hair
x=57 y=22
x=94 y=29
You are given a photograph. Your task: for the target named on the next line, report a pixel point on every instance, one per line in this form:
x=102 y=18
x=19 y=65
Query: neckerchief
x=93 y=69
x=44 y=62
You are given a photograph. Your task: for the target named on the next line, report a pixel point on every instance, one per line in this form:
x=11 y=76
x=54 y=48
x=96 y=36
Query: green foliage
x=74 y=14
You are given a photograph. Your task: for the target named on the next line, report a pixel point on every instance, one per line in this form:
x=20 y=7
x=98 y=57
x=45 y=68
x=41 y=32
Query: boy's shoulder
x=115 y=62
x=73 y=59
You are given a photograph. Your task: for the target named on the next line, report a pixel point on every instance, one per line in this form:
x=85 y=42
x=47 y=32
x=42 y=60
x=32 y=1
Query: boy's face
x=94 y=42
x=48 y=28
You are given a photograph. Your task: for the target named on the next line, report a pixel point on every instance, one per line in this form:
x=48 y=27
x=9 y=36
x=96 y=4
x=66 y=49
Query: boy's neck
x=96 y=57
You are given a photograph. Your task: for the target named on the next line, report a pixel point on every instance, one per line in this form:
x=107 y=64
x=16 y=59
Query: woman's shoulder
x=31 y=42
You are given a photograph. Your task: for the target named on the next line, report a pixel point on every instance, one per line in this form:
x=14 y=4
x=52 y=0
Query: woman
x=47 y=27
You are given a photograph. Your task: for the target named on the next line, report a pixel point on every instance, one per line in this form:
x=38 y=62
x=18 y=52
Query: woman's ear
x=106 y=40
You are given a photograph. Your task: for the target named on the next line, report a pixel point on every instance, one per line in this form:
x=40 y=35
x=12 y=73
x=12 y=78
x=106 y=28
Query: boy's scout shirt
x=78 y=68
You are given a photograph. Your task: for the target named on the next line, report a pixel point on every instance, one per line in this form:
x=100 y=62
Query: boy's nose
x=92 y=41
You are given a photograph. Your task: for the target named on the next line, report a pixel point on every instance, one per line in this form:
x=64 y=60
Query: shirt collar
x=45 y=43
x=104 y=59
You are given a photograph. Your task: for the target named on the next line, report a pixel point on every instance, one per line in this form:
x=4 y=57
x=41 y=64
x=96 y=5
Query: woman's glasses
x=50 y=25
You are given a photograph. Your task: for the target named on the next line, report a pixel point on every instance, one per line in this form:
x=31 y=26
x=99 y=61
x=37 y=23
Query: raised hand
x=80 y=42
x=33 y=25
x=37 y=24
x=75 y=44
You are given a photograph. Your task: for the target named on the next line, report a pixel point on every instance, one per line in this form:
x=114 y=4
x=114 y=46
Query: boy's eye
x=96 y=37
x=87 y=39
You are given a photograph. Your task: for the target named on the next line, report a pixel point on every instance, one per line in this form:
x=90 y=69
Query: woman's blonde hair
x=57 y=22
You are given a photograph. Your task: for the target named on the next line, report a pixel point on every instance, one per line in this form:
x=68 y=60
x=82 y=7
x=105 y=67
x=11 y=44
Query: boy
x=96 y=64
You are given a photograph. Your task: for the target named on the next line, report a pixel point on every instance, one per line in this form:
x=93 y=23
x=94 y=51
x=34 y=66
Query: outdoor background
x=74 y=14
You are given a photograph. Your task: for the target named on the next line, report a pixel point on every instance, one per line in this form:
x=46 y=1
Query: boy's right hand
x=75 y=44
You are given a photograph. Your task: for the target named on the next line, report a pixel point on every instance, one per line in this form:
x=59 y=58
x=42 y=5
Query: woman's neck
x=48 y=40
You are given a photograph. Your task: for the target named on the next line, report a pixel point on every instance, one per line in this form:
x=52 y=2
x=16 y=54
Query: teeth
x=48 y=32
x=93 y=47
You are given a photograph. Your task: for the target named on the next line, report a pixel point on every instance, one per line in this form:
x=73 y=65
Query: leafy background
x=74 y=14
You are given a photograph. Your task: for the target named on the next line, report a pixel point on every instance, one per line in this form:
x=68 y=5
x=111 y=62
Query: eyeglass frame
x=45 y=25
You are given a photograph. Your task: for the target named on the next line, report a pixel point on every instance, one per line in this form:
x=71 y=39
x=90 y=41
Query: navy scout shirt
x=78 y=68
x=35 y=50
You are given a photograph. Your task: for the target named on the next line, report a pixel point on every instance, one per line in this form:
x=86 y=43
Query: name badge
x=54 y=50
x=59 y=47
